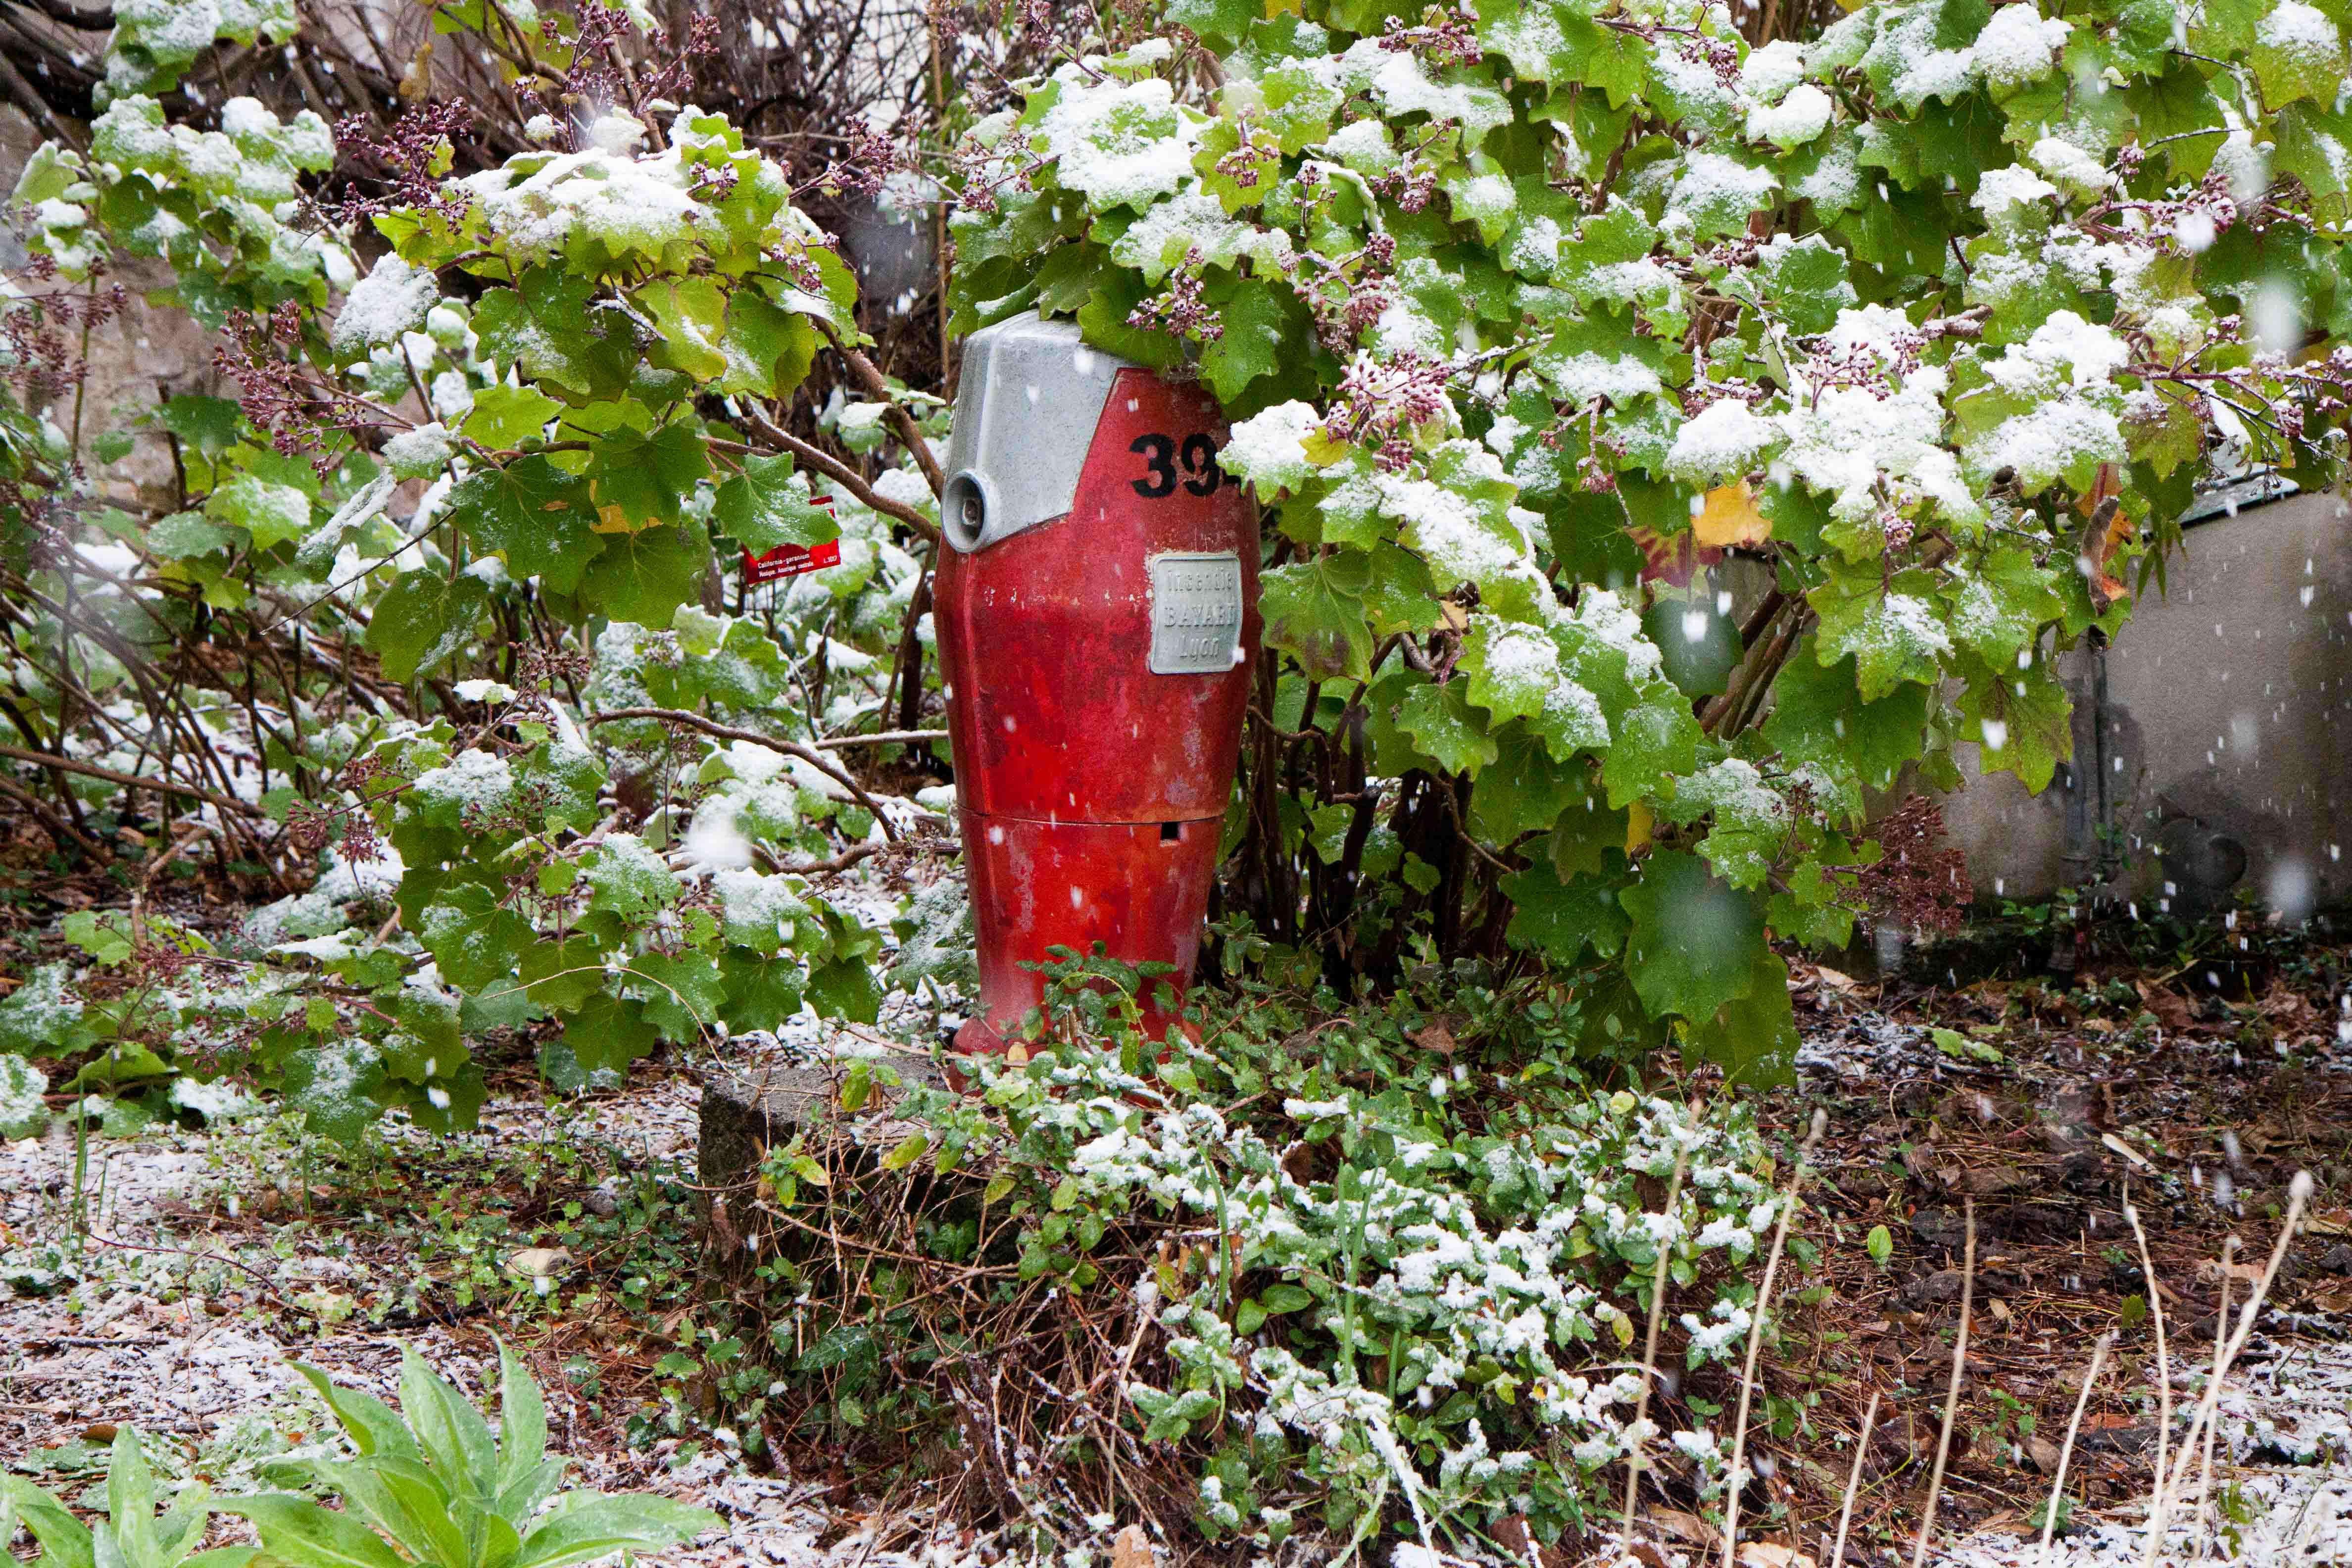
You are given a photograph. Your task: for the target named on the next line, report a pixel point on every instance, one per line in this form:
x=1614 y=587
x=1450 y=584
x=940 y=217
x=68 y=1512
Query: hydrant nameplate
x=1196 y=613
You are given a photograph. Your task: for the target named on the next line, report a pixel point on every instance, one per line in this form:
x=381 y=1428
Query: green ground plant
x=430 y=1485
x=133 y=1533
x=1337 y=1269
x=433 y=1485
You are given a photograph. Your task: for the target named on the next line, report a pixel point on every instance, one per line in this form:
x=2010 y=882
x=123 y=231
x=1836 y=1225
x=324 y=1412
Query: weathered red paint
x=1091 y=790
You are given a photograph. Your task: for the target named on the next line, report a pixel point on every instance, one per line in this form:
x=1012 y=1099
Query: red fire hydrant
x=1097 y=612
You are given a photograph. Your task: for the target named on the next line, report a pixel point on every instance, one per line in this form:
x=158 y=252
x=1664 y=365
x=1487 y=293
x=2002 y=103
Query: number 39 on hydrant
x=1097 y=612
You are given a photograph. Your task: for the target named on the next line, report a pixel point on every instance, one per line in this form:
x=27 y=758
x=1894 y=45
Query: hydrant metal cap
x=1031 y=394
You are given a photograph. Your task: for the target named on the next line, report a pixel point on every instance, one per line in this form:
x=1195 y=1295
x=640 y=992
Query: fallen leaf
x=2211 y=1272
x=1131 y=1549
x=1764 y=1554
x=1834 y=979
x=1685 y=1526
x=2331 y=1222
x=2126 y=1150
x=539 y=1262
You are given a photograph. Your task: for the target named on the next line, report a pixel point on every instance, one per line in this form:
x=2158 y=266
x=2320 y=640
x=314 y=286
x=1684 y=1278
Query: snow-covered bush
x=1522 y=311
x=1385 y=1268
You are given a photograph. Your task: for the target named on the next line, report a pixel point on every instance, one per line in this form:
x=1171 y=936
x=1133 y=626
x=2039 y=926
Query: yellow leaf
x=611 y=520
x=1323 y=448
x=1639 y=821
x=1276 y=7
x=1731 y=518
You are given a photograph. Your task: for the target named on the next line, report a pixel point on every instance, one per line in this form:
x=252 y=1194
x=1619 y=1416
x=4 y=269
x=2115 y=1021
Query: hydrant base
x=1139 y=890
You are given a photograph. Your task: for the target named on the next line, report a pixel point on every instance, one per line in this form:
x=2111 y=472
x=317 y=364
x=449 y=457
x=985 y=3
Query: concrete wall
x=2220 y=755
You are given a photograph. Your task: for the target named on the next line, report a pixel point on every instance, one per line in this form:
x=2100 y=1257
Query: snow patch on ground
x=2285 y=1419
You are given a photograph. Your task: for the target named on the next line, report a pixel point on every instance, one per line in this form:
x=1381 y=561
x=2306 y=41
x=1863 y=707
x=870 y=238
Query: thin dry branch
x=817 y=760
x=244 y=808
x=1650 y=1351
x=1756 y=1335
x=2066 y=1451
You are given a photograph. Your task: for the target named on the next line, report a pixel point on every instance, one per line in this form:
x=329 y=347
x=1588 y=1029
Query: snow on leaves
x=1915 y=284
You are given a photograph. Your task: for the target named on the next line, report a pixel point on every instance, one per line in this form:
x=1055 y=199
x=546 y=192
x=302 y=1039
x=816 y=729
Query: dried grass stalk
x=2208 y=1405
x=1756 y=1335
x=2066 y=1449
x=1853 y=1480
x=2163 y=1382
x=1952 y=1392
x=1650 y=1357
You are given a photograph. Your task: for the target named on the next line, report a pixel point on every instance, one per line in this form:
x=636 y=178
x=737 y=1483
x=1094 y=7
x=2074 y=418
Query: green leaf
x=769 y=349
x=762 y=989
x=271 y=513
x=423 y=620
x=1879 y=1244
x=1653 y=742
x=1513 y=669
x=210 y=425
x=843 y=988
x=504 y=416
x=1892 y=628
x=1522 y=790
x=2022 y=721
x=549 y=331
x=766 y=504
x=522 y=1421
x=1952 y=1043
x=1752 y=1040
x=560 y=976
x=1561 y=920
x=1440 y=721
x=475 y=940
x=2297 y=52
x=130 y=1498
x=682 y=991
x=66 y=1541
x=1615 y=60
x=1695 y=941
x=1749 y=822
x=1263 y=326
x=189 y=536
x=1820 y=722
x=691 y=315
x=450 y=1433
x=597 y=1527
x=646 y=576
x=1103 y=319
x=647 y=473
x=608 y=1033
x=1313 y=613
x=1699 y=645
x=298 y=1533
x=402 y=1502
